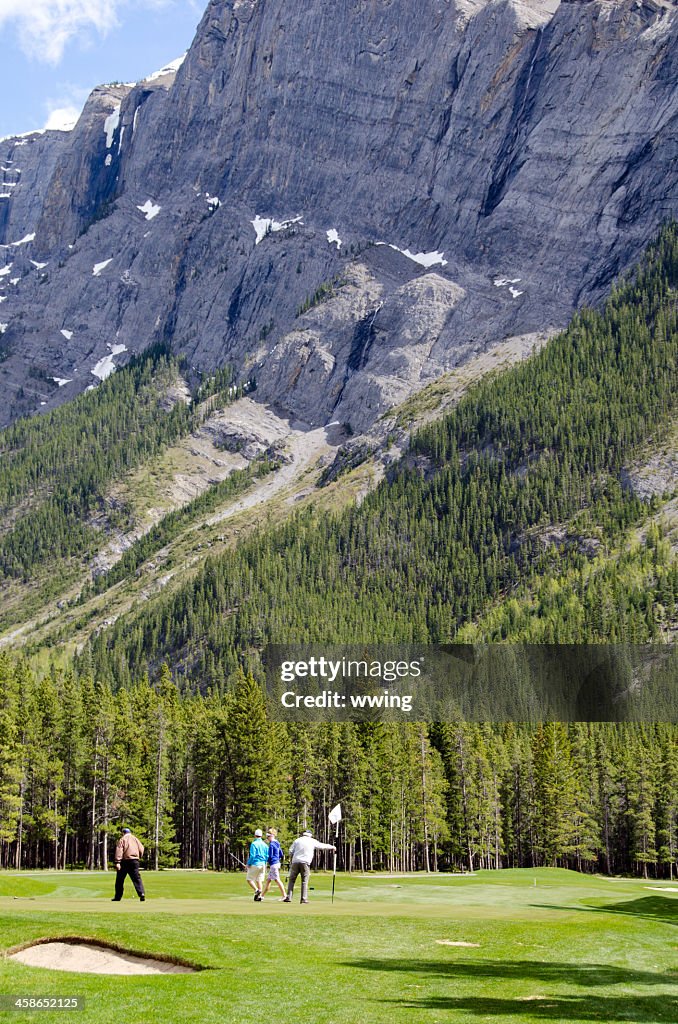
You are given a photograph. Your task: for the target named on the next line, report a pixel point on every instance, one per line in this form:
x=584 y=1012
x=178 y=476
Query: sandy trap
x=94 y=957
x=451 y=942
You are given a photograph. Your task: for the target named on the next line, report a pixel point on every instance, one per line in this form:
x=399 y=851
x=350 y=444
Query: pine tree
x=253 y=778
x=667 y=803
x=555 y=793
x=642 y=800
x=10 y=758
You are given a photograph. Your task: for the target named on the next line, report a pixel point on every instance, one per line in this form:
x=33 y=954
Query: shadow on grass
x=588 y=1006
x=559 y=1008
x=586 y=975
x=652 y=908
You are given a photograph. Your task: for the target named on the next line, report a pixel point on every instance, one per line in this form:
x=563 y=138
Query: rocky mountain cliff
x=341 y=200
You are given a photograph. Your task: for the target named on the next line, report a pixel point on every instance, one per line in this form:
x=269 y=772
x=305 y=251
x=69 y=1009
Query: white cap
x=258 y=833
x=307 y=832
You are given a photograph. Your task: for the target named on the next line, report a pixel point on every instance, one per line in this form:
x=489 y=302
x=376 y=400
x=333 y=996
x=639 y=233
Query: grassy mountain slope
x=465 y=519
x=502 y=514
x=154 y=525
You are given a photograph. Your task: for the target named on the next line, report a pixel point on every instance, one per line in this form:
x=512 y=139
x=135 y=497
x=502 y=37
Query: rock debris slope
x=513 y=156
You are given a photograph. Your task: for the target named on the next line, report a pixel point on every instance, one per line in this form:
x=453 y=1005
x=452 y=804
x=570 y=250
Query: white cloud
x=63 y=109
x=62 y=119
x=45 y=27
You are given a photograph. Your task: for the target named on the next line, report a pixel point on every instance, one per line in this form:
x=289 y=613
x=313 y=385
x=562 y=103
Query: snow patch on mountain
x=424 y=259
x=105 y=367
x=111 y=125
x=150 y=209
x=265 y=225
x=502 y=282
x=22 y=136
x=169 y=69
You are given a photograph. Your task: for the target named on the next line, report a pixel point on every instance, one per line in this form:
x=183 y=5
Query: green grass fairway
x=549 y=945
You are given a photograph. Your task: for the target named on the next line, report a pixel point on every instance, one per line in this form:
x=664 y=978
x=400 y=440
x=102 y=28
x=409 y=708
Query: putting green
x=505 y=946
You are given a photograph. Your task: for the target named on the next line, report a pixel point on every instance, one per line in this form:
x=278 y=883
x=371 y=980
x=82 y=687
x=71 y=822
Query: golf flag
x=335 y=818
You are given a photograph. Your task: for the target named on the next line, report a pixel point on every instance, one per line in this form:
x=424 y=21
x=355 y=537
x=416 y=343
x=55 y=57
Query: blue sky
x=53 y=52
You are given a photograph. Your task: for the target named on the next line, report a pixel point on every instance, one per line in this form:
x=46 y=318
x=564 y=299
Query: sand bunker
x=90 y=958
x=661 y=888
x=450 y=942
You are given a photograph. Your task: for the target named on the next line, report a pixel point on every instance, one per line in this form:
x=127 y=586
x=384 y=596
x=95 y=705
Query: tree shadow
x=586 y=975
x=588 y=1006
x=652 y=1009
x=652 y=908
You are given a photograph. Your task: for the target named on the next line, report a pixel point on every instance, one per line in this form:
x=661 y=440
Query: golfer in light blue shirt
x=256 y=864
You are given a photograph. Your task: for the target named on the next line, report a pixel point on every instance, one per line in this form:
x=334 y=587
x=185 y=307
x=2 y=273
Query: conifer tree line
x=193 y=775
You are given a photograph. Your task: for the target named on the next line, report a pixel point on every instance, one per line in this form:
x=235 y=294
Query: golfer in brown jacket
x=127 y=853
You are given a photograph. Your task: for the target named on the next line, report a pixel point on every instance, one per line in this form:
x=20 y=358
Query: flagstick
x=335 y=817
x=334 y=870
x=334 y=874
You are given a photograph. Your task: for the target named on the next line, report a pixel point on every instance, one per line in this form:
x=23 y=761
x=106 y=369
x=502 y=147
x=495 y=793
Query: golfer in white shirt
x=301 y=856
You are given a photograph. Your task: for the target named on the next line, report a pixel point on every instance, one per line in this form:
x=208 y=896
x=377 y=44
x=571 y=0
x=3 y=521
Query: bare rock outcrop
x=514 y=156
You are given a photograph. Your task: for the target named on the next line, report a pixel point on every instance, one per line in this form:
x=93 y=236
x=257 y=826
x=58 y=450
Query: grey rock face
x=85 y=179
x=531 y=145
x=27 y=165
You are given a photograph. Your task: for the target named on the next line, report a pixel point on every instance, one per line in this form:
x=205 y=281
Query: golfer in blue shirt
x=256 y=864
x=275 y=859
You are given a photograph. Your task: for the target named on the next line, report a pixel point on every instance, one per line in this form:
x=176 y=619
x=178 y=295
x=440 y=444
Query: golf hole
x=93 y=956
